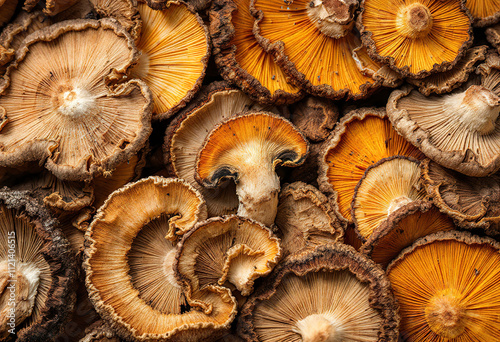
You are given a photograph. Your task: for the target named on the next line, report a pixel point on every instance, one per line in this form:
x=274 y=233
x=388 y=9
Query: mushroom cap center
x=168 y=267
x=397 y=203
x=414 y=21
x=76 y=103
x=334 y=18
x=444 y=314
x=319 y=328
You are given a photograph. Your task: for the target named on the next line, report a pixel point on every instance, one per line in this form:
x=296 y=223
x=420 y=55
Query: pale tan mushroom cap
x=56 y=103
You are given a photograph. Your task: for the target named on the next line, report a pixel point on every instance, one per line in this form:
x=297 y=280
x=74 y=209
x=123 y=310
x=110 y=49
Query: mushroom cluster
x=249 y=170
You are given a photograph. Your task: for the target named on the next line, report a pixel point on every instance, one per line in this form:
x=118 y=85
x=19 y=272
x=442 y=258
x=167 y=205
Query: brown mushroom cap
x=74 y=119
x=350 y=151
x=493 y=36
x=331 y=293
x=402 y=228
x=484 y=12
x=472 y=202
x=241 y=60
x=315 y=117
x=125 y=11
x=447 y=286
x=415 y=38
x=247 y=148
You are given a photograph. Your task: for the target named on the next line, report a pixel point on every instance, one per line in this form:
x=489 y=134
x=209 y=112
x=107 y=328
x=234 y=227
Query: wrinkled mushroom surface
x=125 y=11
x=484 y=12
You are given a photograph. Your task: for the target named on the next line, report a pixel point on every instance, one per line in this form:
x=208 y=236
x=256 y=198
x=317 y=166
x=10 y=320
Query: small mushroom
x=125 y=11
x=331 y=293
x=247 y=148
x=484 y=12
x=447 y=286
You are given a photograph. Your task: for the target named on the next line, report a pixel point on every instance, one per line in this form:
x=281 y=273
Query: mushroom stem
x=333 y=18
x=444 y=315
x=319 y=328
x=414 y=21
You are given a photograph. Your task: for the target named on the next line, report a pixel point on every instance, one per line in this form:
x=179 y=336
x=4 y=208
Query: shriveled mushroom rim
x=366 y=38
x=277 y=49
x=128 y=15
x=462 y=161
x=488 y=21
x=288 y=158
x=335 y=257
x=493 y=36
x=61 y=295
x=222 y=31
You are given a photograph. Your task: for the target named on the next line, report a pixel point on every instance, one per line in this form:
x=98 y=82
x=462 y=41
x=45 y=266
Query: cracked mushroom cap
x=447 y=286
x=402 y=228
x=247 y=149
x=473 y=202
x=37 y=271
x=460 y=131
x=484 y=12
x=74 y=122
x=315 y=117
x=331 y=293
x=7 y=10
x=241 y=60
x=129 y=257
x=305 y=218
x=175 y=47
x=125 y=11
x=322 y=64
x=386 y=186
x=350 y=151
x=415 y=37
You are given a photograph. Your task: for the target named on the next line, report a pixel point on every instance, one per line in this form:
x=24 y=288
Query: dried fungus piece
x=447 y=287
x=402 y=228
x=473 y=202
x=241 y=60
x=7 y=10
x=175 y=47
x=50 y=7
x=415 y=38
x=493 y=36
x=315 y=117
x=129 y=258
x=350 y=151
x=125 y=11
x=37 y=272
x=331 y=293
x=322 y=64
x=484 y=12
x=73 y=121
x=247 y=149
x=100 y=332
x=379 y=72
x=305 y=218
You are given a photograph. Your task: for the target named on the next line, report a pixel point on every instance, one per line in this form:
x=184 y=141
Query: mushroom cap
x=402 y=228
x=125 y=11
x=305 y=218
x=315 y=117
x=379 y=72
x=445 y=82
x=484 y=12
x=447 y=287
x=459 y=131
x=241 y=60
x=415 y=38
x=331 y=293
x=51 y=7
x=131 y=281
x=473 y=202
x=350 y=151
x=493 y=36
x=43 y=267
x=321 y=65
x=74 y=121
x=175 y=48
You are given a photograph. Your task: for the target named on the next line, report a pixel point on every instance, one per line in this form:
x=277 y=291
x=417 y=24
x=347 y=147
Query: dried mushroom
x=37 y=272
x=415 y=38
x=247 y=149
x=241 y=60
x=305 y=218
x=331 y=293
x=493 y=36
x=7 y=10
x=402 y=228
x=50 y=7
x=447 y=287
x=379 y=72
x=484 y=12
x=175 y=47
x=473 y=202
x=125 y=11
x=350 y=151
x=100 y=332
x=73 y=121
x=315 y=117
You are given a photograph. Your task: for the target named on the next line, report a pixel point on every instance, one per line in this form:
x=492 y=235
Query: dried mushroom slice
x=331 y=293
x=315 y=117
x=7 y=10
x=129 y=258
x=37 y=272
x=247 y=149
x=322 y=64
x=484 y=12
x=305 y=218
x=445 y=82
x=493 y=36
x=459 y=131
x=386 y=186
x=473 y=202
x=350 y=151
x=221 y=250
x=125 y=11
x=175 y=47
x=241 y=60
x=447 y=287
x=379 y=72
x=402 y=228
x=73 y=121
x=415 y=38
